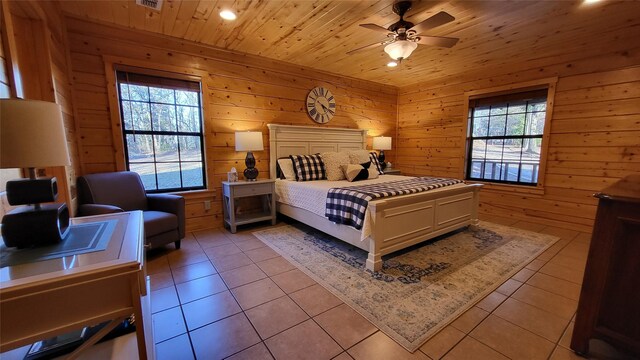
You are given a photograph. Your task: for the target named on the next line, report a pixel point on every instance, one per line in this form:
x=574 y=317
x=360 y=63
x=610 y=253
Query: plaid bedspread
x=347 y=205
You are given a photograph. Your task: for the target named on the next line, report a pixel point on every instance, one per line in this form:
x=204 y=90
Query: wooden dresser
x=609 y=307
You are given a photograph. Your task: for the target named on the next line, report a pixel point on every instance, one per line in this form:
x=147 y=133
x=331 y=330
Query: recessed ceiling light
x=228 y=15
x=392 y=64
x=591 y=1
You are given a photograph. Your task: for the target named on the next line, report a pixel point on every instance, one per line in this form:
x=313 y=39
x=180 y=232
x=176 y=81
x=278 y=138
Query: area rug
x=420 y=289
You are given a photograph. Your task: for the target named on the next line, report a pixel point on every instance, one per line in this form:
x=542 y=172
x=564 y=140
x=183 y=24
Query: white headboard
x=285 y=140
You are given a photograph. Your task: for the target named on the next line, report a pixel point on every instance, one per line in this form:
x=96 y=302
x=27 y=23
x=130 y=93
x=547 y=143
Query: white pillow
x=359 y=156
x=354 y=172
x=373 y=172
x=286 y=168
x=332 y=161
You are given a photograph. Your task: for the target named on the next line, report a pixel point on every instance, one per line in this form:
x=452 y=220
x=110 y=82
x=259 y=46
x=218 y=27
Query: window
x=504 y=139
x=162 y=129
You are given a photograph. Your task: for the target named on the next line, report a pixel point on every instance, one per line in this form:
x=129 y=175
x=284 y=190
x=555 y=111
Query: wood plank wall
x=61 y=78
x=243 y=93
x=594 y=134
x=41 y=68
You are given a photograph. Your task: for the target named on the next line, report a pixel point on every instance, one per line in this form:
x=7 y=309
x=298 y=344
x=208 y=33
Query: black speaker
x=28 y=226
x=32 y=191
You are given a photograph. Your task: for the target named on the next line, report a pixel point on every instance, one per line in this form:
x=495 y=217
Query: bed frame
x=396 y=222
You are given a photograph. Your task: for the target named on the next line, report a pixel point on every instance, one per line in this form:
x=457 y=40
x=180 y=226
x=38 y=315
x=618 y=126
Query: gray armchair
x=164 y=219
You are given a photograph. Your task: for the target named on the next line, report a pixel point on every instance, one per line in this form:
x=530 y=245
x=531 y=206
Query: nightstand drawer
x=253 y=189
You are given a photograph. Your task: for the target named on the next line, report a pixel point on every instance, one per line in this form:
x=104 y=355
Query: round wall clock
x=321 y=105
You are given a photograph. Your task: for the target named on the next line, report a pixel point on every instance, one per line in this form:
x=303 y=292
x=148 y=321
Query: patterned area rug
x=420 y=289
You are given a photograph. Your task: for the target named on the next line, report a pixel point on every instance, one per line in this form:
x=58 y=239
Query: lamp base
x=29 y=226
x=383 y=164
x=250 y=173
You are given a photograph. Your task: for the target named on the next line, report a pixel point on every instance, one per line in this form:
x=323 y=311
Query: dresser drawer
x=253 y=189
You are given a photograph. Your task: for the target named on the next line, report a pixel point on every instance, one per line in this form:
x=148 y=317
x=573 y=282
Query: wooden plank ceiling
x=318 y=34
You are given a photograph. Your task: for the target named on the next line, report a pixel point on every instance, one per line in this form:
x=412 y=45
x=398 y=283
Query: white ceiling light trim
x=228 y=15
x=400 y=49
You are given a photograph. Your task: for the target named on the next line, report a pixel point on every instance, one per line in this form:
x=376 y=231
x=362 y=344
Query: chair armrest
x=169 y=203
x=97 y=209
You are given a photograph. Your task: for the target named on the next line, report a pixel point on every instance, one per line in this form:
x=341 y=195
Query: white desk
x=42 y=299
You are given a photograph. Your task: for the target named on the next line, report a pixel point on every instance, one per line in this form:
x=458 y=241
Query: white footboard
x=399 y=222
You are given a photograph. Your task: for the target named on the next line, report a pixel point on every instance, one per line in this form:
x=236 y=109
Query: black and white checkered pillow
x=308 y=167
x=374 y=161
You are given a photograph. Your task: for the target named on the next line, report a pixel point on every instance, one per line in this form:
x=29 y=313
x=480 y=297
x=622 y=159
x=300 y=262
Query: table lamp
x=382 y=143
x=32 y=135
x=249 y=141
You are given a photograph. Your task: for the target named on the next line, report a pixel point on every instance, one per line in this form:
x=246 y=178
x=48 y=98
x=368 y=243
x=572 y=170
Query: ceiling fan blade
x=366 y=47
x=437 y=41
x=375 y=27
x=436 y=20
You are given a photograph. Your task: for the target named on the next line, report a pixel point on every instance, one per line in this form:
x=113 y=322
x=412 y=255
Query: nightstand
x=231 y=191
x=388 y=171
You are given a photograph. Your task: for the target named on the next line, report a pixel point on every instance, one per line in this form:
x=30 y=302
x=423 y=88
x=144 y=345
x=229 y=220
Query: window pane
x=496 y=125
x=187 y=98
x=498 y=110
x=535 y=123
x=481 y=126
x=491 y=170
x=188 y=119
x=147 y=173
x=126 y=114
x=517 y=108
x=537 y=106
x=476 y=169
x=161 y=95
x=141 y=116
x=137 y=92
x=526 y=173
x=140 y=148
x=190 y=148
x=192 y=174
x=511 y=171
x=168 y=175
x=481 y=111
x=124 y=91
x=164 y=117
x=478 y=151
x=515 y=124
x=166 y=148
x=531 y=150
x=512 y=150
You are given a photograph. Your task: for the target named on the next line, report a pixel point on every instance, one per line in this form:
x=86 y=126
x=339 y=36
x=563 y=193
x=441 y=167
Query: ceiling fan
x=403 y=36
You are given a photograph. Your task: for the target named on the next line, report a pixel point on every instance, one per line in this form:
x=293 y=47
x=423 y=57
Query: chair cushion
x=157 y=222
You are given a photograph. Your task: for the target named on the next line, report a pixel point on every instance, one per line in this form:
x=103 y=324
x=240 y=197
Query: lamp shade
x=249 y=141
x=382 y=143
x=400 y=49
x=32 y=134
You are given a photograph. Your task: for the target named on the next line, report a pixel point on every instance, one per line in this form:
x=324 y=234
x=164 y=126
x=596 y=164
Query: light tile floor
x=229 y=295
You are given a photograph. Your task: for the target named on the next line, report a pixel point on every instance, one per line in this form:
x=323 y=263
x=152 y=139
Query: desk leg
x=137 y=312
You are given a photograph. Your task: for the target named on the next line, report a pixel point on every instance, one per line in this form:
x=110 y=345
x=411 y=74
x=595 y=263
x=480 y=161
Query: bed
x=392 y=223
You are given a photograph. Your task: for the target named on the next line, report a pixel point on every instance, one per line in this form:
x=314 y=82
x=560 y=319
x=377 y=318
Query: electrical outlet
x=207 y=205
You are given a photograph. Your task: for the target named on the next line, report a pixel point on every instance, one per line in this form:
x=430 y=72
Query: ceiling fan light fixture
x=228 y=15
x=392 y=64
x=400 y=49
